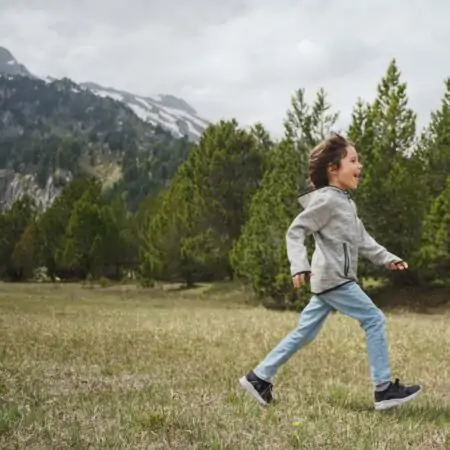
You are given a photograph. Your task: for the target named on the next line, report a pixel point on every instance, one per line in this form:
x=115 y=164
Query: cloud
x=239 y=58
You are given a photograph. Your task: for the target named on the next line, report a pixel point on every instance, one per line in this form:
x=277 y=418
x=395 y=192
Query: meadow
x=121 y=367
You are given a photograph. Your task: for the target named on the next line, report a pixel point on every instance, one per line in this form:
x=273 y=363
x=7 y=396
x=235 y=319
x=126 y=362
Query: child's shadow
x=434 y=414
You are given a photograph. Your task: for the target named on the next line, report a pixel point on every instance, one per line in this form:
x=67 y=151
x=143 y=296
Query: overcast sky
x=236 y=58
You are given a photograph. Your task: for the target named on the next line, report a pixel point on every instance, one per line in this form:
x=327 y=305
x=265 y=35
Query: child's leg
x=310 y=322
x=257 y=382
x=352 y=301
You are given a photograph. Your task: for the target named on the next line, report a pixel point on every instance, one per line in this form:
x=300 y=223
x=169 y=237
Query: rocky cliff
x=14 y=185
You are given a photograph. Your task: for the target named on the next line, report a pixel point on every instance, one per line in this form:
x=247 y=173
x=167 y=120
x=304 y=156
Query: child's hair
x=328 y=152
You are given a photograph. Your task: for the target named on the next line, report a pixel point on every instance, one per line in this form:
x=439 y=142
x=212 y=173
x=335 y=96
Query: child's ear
x=332 y=168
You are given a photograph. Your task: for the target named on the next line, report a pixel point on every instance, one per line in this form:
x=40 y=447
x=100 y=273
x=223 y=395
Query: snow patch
x=144 y=102
x=154 y=116
x=174 y=129
x=112 y=95
x=150 y=109
x=186 y=115
x=139 y=111
x=167 y=116
x=192 y=129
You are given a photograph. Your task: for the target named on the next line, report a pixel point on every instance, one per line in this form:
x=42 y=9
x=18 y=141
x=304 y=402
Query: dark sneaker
x=396 y=394
x=259 y=389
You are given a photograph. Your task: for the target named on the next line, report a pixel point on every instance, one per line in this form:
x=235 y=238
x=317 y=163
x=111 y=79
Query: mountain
x=10 y=66
x=171 y=113
x=52 y=132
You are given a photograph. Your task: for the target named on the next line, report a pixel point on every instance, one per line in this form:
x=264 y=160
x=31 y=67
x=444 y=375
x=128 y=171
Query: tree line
x=225 y=213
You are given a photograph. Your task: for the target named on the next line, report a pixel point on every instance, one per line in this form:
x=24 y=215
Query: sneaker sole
x=252 y=391
x=387 y=404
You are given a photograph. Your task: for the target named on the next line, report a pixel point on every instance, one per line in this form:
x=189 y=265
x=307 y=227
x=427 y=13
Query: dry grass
x=127 y=368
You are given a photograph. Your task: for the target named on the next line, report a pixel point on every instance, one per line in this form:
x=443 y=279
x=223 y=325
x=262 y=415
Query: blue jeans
x=350 y=300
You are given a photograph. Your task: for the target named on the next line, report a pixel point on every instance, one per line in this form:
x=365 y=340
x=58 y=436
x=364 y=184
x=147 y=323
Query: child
x=330 y=215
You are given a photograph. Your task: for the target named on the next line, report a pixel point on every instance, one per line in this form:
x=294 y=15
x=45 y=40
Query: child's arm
x=373 y=251
x=312 y=219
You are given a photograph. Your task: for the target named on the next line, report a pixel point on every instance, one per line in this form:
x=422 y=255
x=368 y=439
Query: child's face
x=347 y=175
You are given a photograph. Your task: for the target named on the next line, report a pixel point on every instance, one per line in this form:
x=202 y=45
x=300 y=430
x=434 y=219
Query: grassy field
x=149 y=369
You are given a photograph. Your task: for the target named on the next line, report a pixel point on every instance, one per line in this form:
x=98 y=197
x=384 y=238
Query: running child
x=340 y=237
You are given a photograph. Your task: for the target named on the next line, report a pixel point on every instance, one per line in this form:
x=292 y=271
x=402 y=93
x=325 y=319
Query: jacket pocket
x=346 y=260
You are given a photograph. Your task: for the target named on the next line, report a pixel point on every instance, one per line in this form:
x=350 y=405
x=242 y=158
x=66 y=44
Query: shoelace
x=397 y=385
x=266 y=388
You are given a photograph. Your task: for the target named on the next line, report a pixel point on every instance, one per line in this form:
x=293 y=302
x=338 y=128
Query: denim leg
x=352 y=301
x=311 y=321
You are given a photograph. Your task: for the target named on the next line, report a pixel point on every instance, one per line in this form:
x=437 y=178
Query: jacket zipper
x=347 y=261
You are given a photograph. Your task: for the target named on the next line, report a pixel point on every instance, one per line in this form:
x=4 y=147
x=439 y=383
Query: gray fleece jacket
x=330 y=216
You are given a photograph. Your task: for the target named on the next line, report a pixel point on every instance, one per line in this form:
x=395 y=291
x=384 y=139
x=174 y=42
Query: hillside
x=171 y=113
x=51 y=132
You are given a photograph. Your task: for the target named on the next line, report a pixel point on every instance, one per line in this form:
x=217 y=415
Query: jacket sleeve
x=310 y=220
x=369 y=248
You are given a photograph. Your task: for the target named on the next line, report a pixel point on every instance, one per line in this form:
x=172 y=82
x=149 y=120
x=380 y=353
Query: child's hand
x=299 y=279
x=400 y=265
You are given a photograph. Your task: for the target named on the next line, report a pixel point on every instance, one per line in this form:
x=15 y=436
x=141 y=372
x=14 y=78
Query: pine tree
x=15 y=228
x=259 y=255
x=23 y=258
x=435 y=242
x=84 y=244
x=435 y=146
x=384 y=134
x=227 y=168
x=121 y=244
x=201 y=214
x=171 y=223
x=306 y=125
x=434 y=155
x=51 y=226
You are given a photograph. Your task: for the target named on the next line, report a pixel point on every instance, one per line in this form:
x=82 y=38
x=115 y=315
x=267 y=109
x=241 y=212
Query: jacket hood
x=305 y=198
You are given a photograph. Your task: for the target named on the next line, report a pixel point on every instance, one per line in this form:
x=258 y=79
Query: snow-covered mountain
x=169 y=112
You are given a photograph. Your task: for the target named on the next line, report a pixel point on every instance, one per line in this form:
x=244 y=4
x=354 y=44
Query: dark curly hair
x=327 y=153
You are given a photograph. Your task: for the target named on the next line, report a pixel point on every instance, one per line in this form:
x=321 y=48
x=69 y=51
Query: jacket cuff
x=304 y=272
